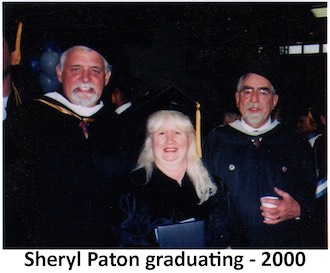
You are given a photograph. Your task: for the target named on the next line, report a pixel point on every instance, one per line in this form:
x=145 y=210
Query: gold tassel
x=17 y=52
x=18 y=99
x=310 y=116
x=198 y=130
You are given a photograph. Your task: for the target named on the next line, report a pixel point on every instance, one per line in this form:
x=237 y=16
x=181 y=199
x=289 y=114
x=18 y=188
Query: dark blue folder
x=182 y=235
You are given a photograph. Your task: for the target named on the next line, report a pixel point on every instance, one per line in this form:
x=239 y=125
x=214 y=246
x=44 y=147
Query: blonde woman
x=169 y=184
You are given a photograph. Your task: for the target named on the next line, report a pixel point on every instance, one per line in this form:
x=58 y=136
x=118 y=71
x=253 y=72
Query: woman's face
x=170 y=145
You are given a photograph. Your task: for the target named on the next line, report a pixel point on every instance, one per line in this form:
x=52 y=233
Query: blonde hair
x=196 y=171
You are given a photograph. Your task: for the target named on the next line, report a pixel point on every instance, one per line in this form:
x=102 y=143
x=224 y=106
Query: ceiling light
x=320 y=12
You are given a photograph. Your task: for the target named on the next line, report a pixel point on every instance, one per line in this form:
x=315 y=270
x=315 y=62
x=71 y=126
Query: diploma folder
x=181 y=235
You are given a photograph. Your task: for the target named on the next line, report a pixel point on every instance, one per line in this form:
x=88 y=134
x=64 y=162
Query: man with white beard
x=61 y=161
x=253 y=157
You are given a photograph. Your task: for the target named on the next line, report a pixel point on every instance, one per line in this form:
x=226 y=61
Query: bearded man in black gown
x=256 y=156
x=61 y=161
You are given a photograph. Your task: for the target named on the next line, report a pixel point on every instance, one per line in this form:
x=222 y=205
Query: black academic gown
x=59 y=186
x=319 y=234
x=245 y=173
x=162 y=201
x=130 y=129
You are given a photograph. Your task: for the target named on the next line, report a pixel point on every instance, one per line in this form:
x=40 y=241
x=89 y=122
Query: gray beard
x=85 y=101
x=253 y=119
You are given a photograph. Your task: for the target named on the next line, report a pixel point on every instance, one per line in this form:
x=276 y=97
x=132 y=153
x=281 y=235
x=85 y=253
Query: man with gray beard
x=255 y=157
x=61 y=161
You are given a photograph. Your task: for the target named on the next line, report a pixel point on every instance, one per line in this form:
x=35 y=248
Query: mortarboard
x=173 y=98
x=264 y=66
x=86 y=41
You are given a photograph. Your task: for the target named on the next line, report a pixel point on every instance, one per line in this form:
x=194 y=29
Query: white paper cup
x=268 y=205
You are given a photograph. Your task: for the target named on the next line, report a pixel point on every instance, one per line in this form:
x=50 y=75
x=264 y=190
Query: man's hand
x=286 y=208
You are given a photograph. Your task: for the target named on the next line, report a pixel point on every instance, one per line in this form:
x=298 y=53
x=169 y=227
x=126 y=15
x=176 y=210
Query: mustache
x=253 y=105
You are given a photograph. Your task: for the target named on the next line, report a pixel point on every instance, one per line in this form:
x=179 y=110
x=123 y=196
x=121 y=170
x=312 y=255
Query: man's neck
x=253 y=129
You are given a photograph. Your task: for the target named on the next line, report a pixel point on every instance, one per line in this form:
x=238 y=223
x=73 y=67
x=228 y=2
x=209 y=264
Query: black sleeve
x=219 y=218
x=135 y=229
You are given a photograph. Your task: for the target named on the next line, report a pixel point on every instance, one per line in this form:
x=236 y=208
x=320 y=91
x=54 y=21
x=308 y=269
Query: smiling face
x=170 y=145
x=83 y=77
x=256 y=105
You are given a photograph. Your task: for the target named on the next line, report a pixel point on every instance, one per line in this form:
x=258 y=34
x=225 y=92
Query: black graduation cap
x=171 y=98
x=96 y=45
x=262 y=65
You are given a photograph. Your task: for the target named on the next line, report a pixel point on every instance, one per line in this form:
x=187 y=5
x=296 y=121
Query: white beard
x=253 y=118
x=83 y=100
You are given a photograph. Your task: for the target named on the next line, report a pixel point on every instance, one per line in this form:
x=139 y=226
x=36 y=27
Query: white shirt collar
x=313 y=139
x=80 y=110
x=123 y=107
x=242 y=126
x=4 y=105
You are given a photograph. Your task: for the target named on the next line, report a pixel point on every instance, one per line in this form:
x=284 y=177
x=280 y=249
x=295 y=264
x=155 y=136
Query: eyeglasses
x=262 y=91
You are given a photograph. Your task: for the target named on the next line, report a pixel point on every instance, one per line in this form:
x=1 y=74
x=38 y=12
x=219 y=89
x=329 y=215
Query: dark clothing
x=319 y=233
x=58 y=184
x=16 y=99
x=319 y=151
x=245 y=173
x=161 y=201
x=22 y=84
x=130 y=129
